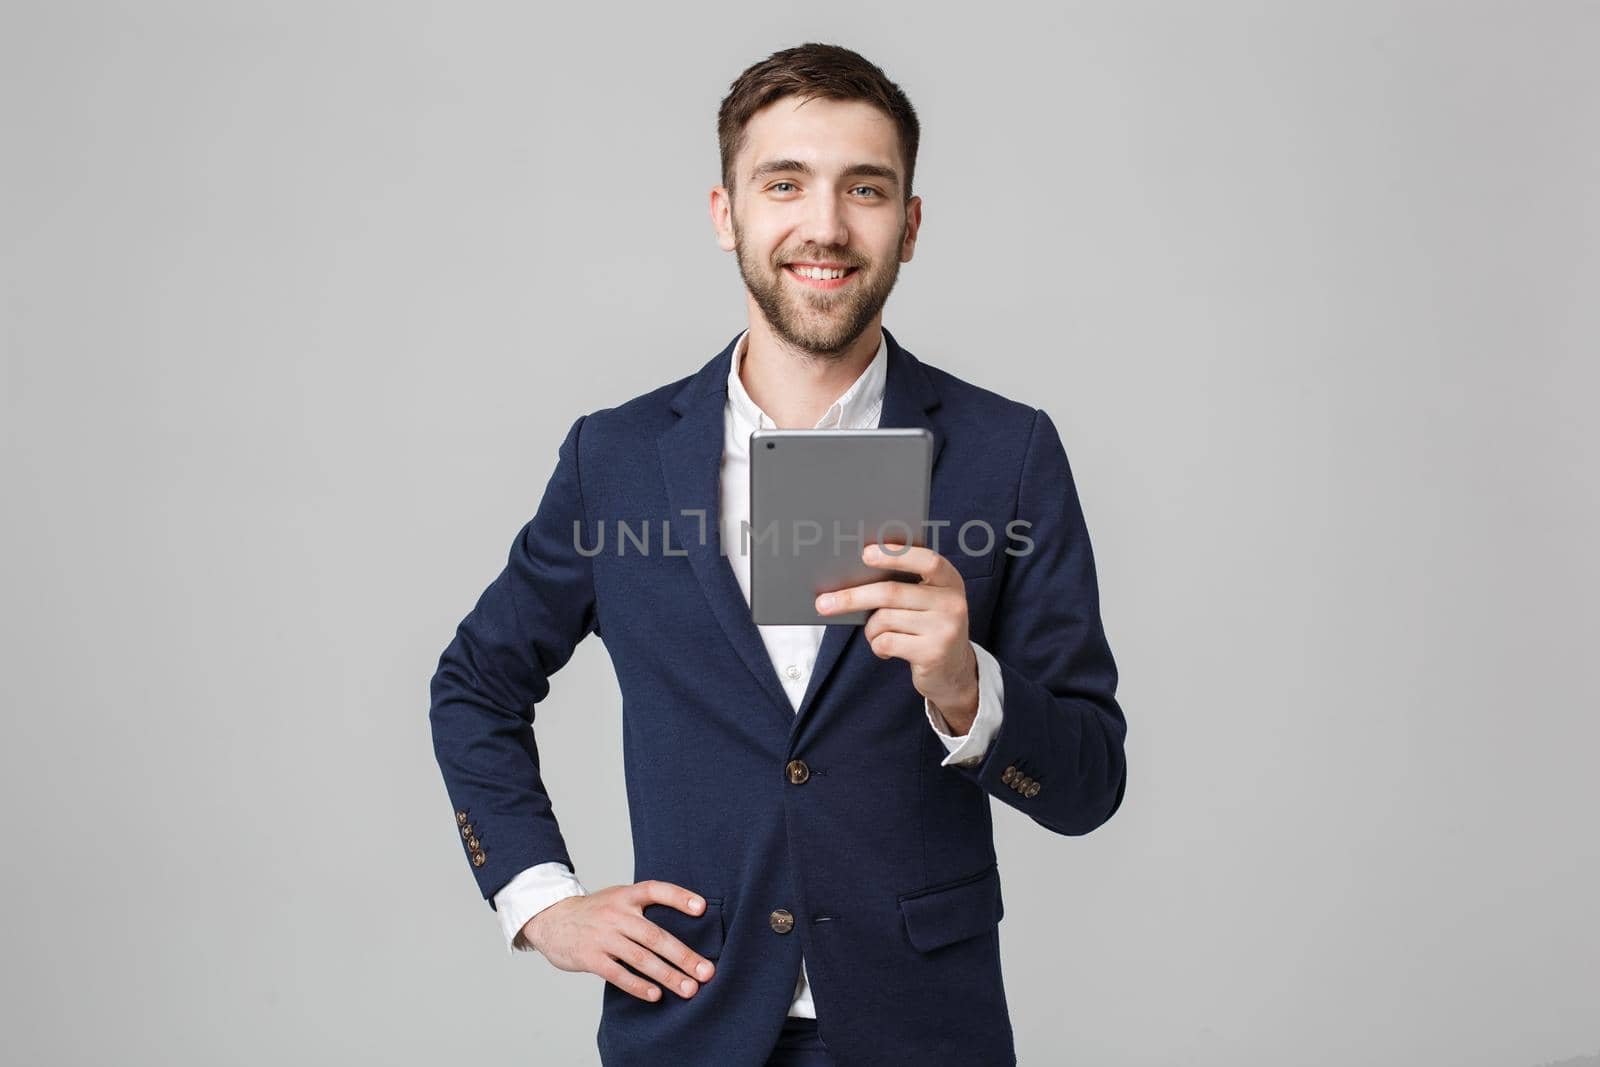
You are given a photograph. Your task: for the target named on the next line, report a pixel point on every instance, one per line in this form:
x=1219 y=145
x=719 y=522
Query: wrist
x=530 y=936
x=959 y=716
x=960 y=709
x=525 y=936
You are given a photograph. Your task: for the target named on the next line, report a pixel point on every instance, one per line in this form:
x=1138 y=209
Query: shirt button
x=792 y=671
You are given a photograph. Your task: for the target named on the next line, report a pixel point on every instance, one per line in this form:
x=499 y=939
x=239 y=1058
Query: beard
x=818 y=322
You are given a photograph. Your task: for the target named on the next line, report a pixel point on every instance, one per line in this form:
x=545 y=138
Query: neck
x=796 y=387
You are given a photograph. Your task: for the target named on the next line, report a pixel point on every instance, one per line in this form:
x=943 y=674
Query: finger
x=648 y=963
x=901 y=620
x=925 y=562
x=669 y=948
x=626 y=980
x=890 y=594
x=654 y=891
x=893 y=645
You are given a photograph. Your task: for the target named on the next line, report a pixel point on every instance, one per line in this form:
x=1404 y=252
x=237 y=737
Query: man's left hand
x=923 y=623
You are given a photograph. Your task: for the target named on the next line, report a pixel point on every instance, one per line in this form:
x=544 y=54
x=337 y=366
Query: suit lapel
x=691 y=465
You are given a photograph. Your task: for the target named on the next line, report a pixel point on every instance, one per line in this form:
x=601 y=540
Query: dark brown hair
x=813 y=70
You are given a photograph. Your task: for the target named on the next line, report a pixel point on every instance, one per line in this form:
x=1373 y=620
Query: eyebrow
x=795 y=166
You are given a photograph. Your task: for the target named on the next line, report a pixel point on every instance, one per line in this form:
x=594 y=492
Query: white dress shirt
x=793 y=649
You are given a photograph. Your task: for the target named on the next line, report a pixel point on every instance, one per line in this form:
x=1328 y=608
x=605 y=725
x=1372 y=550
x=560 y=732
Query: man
x=809 y=804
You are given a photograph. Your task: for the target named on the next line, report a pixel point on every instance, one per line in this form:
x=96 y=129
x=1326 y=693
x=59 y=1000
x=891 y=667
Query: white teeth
x=818 y=273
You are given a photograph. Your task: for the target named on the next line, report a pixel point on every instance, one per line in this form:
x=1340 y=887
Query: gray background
x=300 y=298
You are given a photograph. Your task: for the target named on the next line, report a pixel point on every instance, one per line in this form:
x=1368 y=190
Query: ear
x=913 y=224
x=722 y=218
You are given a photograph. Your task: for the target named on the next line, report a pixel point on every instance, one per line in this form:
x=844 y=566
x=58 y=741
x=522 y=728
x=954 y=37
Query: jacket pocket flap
x=702 y=932
x=940 y=917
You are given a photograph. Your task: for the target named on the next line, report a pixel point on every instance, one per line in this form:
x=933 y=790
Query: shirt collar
x=858 y=407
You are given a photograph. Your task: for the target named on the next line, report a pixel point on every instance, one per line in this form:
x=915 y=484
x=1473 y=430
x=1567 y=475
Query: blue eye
x=776 y=184
x=868 y=188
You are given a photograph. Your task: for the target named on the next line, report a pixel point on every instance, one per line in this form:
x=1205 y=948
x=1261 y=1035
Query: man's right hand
x=598 y=932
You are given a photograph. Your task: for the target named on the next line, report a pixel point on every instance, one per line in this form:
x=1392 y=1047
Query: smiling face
x=818 y=219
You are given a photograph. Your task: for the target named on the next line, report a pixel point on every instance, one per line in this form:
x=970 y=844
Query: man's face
x=819 y=185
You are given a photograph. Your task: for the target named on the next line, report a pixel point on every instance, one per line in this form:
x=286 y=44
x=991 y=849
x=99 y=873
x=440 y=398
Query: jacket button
x=782 y=921
x=478 y=858
x=472 y=843
x=1009 y=776
x=461 y=818
x=466 y=831
x=1033 y=789
x=798 y=771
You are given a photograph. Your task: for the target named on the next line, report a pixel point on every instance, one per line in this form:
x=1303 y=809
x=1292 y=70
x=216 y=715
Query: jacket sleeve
x=1058 y=755
x=523 y=629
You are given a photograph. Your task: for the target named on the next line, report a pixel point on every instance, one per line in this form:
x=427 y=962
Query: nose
x=823 y=224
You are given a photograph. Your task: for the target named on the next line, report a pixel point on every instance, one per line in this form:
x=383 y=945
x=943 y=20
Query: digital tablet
x=817 y=497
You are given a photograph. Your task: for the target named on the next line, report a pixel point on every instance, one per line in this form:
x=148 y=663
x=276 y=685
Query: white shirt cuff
x=969 y=749
x=529 y=893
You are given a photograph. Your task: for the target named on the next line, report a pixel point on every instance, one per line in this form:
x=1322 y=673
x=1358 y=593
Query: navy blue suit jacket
x=885 y=858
